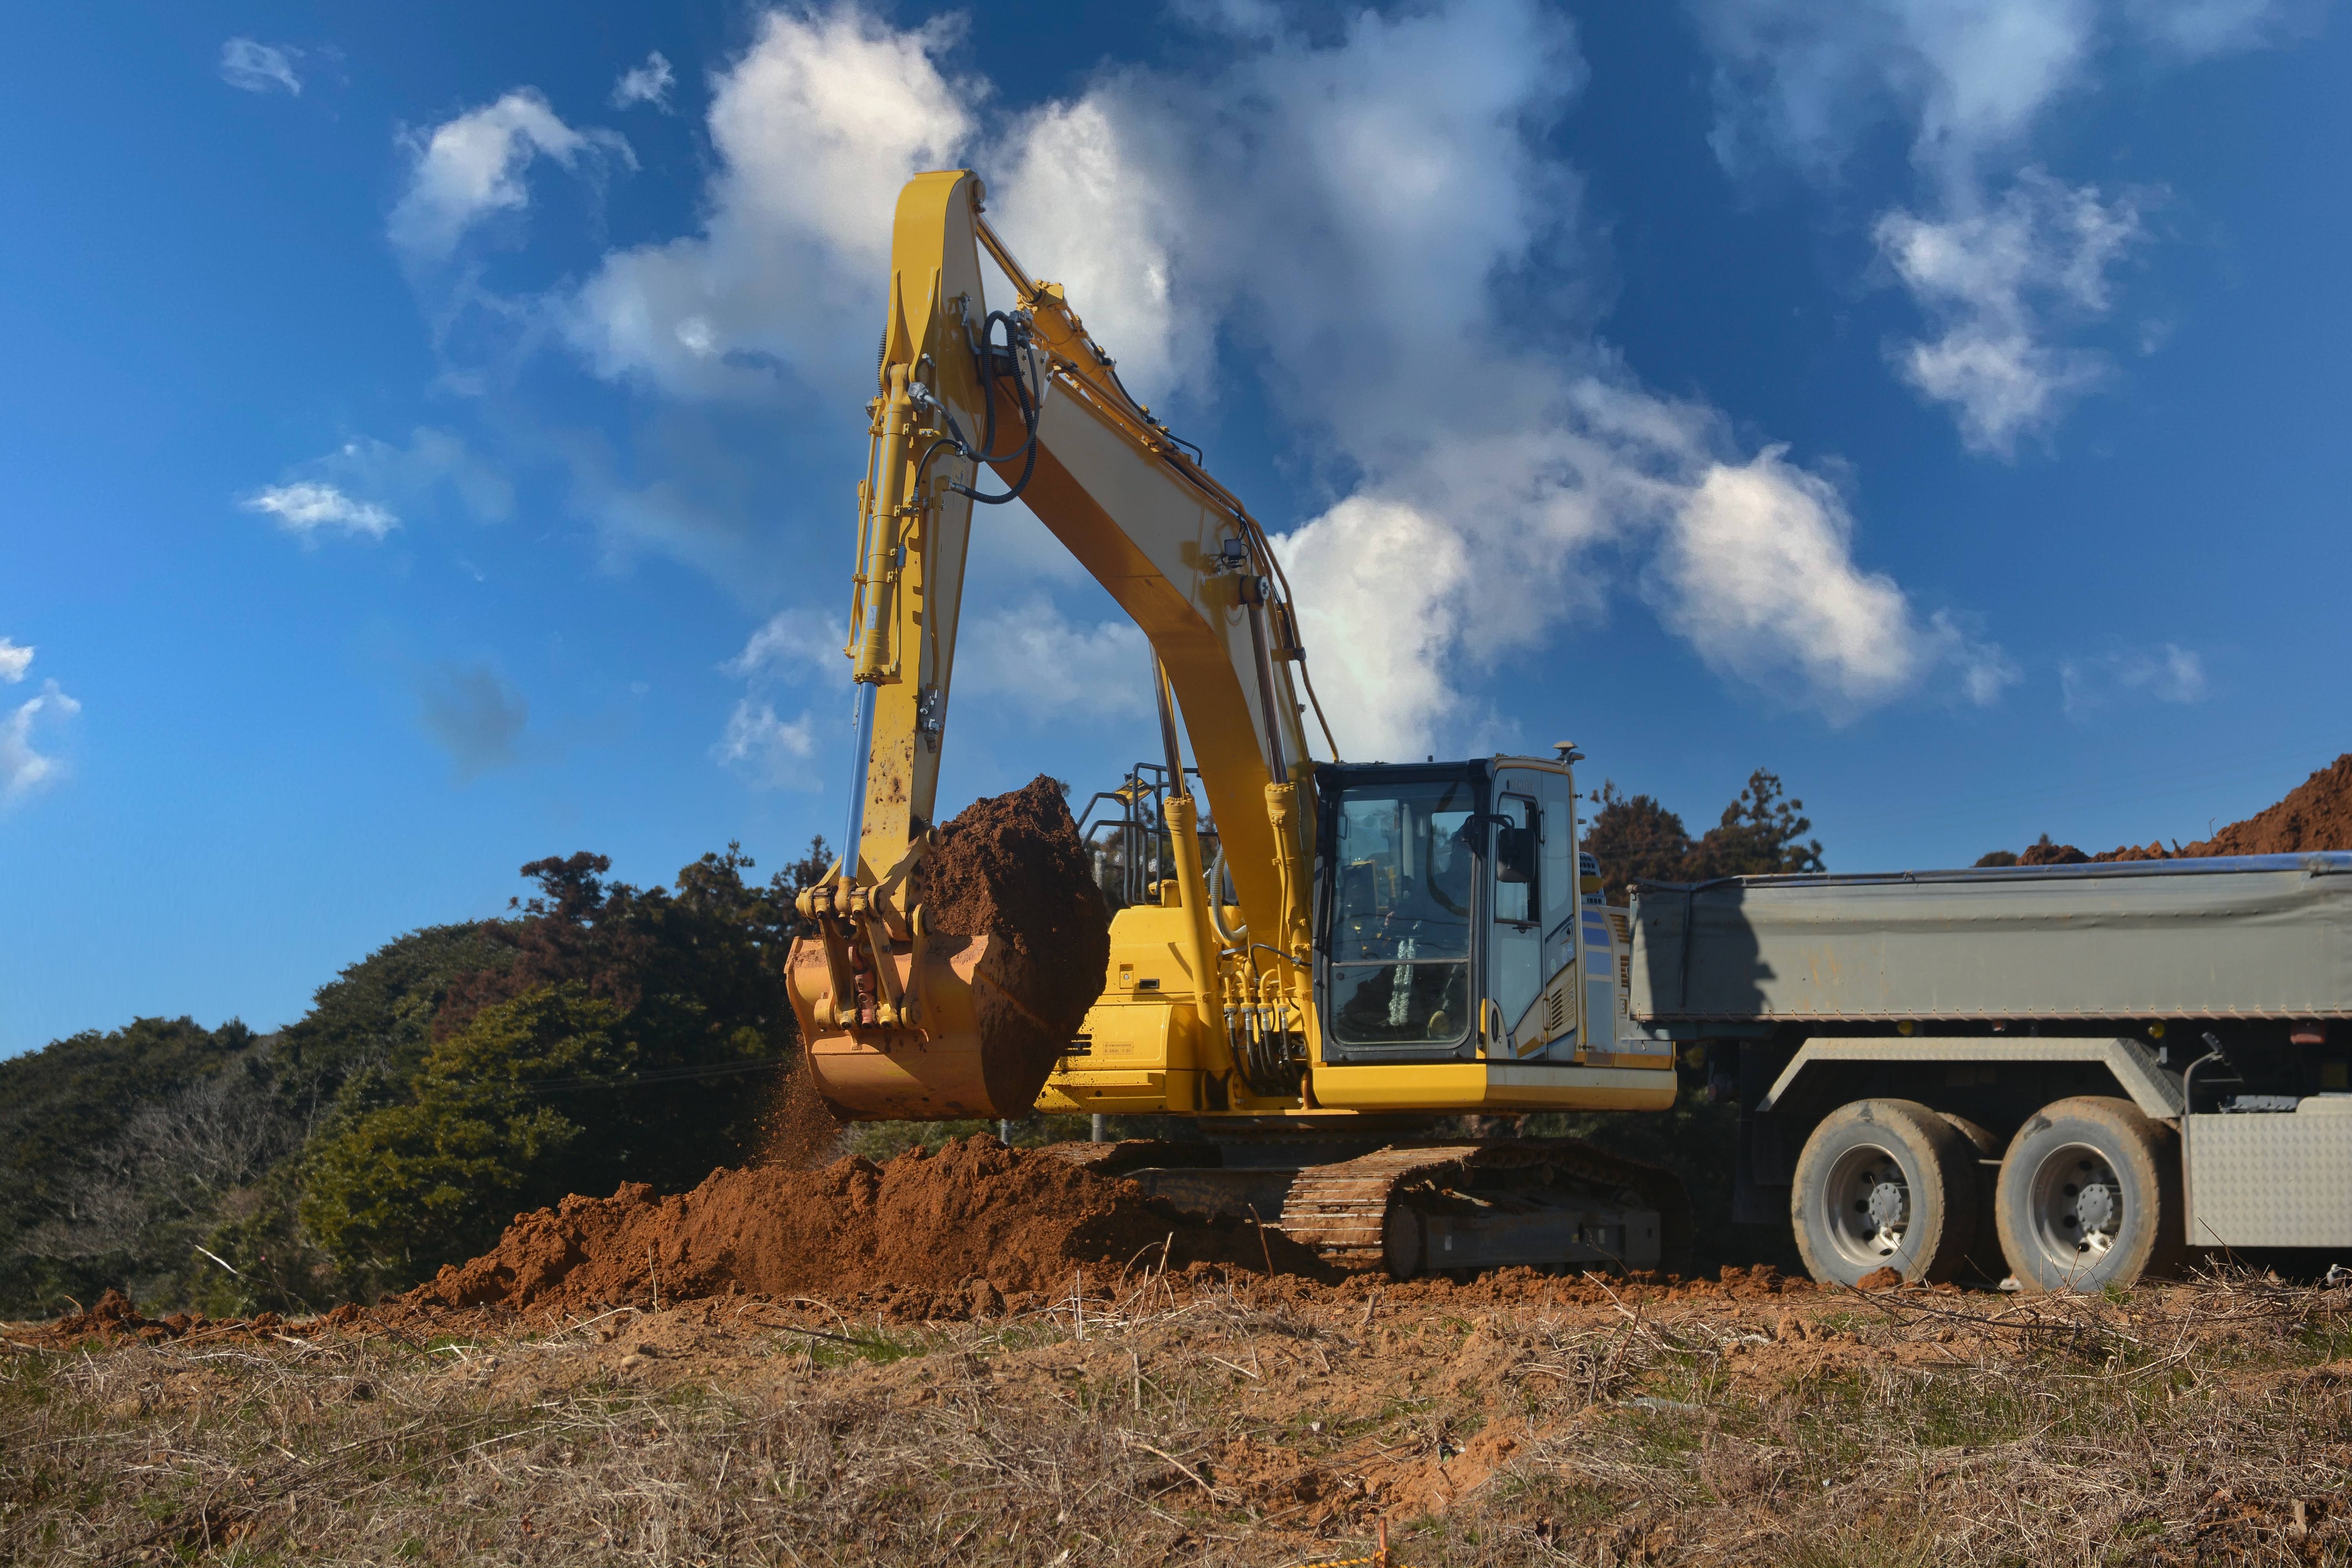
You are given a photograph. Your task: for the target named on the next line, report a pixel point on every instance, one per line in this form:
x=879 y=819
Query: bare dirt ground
x=1203 y=1416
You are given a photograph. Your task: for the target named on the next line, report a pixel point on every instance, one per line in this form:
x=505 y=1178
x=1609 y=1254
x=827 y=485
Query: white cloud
x=1366 y=217
x=259 y=68
x=2164 y=673
x=306 y=506
x=1040 y=663
x=815 y=128
x=14 y=661
x=1992 y=281
x=2197 y=28
x=22 y=768
x=1761 y=563
x=428 y=462
x=647 y=83
x=794 y=645
x=770 y=752
x=473 y=165
x=1806 y=81
x=1396 y=177
x=476 y=716
x=796 y=648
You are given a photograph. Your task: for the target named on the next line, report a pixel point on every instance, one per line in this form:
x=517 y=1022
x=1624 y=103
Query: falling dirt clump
x=1012 y=868
x=797 y=1129
x=1018 y=1219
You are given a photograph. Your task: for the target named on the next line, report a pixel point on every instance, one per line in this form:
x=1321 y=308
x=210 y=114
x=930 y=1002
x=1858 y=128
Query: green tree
x=80 y=1210
x=1635 y=839
x=405 y=1188
x=1762 y=833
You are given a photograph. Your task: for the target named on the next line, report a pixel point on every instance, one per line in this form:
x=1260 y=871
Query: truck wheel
x=1884 y=1183
x=1984 y=1256
x=2090 y=1195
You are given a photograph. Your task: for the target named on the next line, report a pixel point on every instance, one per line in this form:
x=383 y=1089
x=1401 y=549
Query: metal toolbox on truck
x=2260 y=936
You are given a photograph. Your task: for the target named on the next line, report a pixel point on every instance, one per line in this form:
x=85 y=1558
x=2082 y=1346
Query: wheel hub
x=1889 y=1206
x=2078 y=1207
x=1870 y=1208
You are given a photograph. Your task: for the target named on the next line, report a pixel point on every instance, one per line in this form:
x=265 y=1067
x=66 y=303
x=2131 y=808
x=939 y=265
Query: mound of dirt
x=1020 y=1219
x=2317 y=815
x=1012 y=867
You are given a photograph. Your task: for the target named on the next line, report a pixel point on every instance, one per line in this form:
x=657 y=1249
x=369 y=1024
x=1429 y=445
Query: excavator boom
x=1375 y=946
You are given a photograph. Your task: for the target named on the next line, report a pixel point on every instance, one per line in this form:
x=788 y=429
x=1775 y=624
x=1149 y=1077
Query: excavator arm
x=1028 y=395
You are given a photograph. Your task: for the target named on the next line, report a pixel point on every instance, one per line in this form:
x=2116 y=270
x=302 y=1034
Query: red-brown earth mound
x=2317 y=815
x=974 y=1211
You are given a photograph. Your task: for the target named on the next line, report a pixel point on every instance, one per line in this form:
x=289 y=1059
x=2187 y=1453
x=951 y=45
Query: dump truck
x=2068 y=1075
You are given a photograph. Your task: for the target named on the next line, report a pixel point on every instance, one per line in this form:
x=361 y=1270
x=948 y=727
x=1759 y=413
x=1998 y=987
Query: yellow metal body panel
x=935 y=288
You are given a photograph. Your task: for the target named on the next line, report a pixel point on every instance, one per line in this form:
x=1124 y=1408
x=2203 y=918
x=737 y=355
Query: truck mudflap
x=1547 y=1203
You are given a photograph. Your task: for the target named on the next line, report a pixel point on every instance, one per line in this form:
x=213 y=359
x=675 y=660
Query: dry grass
x=2197 y=1424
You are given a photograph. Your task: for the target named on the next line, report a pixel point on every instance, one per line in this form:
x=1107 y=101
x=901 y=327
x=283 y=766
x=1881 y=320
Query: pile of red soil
x=2317 y=815
x=115 y=1316
x=1012 y=868
x=975 y=1211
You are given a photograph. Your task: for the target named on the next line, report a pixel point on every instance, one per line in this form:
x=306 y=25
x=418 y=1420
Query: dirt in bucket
x=1012 y=867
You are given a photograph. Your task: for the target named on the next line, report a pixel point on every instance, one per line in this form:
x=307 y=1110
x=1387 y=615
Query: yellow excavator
x=1326 y=966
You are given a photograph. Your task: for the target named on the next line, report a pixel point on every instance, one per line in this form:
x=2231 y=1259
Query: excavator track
x=1465 y=1206
x=1419 y=1207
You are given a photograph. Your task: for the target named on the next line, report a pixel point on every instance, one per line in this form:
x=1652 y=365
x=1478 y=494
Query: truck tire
x=1884 y=1183
x=2090 y=1196
x=1984 y=1257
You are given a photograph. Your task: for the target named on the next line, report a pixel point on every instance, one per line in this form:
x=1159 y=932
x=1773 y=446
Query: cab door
x=1515 y=934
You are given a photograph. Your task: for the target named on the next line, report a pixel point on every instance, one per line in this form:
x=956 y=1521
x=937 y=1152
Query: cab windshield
x=1400 y=935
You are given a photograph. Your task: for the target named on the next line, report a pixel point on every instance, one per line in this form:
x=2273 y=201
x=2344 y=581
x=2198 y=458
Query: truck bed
x=2258 y=936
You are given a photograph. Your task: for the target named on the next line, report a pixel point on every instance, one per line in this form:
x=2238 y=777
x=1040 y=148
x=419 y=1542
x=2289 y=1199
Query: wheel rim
x=1870 y=1208
x=2075 y=1204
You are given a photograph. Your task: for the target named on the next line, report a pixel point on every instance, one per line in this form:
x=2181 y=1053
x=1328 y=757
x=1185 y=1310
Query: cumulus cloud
x=467 y=168
x=24 y=769
x=1804 y=82
x=794 y=648
x=257 y=66
x=476 y=716
x=2164 y=673
x=1759 y=561
x=815 y=127
x=430 y=462
x=14 y=661
x=306 y=507
x=769 y=751
x=1039 y=662
x=1992 y=281
x=1398 y=176
x=647 y=83
x=1363 y=214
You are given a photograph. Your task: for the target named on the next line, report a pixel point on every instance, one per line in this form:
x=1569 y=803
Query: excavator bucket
x=966 y=1045
x=961 y=1006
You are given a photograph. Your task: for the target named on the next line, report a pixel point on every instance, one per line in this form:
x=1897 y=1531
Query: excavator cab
x=1448 y=910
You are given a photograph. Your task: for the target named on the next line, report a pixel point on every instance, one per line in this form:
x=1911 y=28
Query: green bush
x=432 y=1180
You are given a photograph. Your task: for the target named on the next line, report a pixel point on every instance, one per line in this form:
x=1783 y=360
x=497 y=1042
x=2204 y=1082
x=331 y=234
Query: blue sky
x=428 y=443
